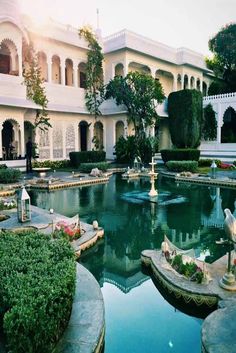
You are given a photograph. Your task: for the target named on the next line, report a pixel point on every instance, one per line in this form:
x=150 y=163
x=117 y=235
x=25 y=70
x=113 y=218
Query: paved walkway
x=86 y=328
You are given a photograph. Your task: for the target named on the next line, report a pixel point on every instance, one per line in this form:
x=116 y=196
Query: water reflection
x=190 y=215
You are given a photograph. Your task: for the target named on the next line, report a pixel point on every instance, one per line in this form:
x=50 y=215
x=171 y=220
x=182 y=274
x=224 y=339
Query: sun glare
x=38 y=11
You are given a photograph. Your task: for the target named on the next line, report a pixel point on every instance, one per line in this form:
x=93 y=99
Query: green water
x=138 y=317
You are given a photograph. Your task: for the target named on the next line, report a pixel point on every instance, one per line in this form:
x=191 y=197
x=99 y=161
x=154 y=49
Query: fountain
x=153 y=176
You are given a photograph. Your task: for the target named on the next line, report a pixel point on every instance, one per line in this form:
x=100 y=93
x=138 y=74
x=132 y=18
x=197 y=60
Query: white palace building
x=62 y=56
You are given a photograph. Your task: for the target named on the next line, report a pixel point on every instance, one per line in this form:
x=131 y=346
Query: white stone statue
x=230 y=226
x=95 y=172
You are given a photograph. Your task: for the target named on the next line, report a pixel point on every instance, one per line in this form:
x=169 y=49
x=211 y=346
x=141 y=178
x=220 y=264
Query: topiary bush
x=9 y=175
x=37 y=287
x=180 y=154
x=182 y=166
x=77 y=158
x=185 y=116
x=64 y=163
x=87 y=167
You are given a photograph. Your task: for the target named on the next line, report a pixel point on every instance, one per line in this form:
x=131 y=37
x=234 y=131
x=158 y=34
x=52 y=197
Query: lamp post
x=213 y=170
x=23 y=206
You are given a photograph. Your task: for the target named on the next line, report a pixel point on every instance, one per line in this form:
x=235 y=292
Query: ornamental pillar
x=49 y=62
x=63 y=71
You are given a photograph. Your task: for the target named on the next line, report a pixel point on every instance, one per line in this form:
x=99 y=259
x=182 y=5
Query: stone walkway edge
x=86 y=328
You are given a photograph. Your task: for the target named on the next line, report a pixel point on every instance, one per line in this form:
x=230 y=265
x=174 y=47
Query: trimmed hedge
x=9 y=175
x=182 y=166
x=64 y=163
x=180 y=154
x=87 y=167
x=37 y=287
x=208 y=162
x=77 y=158
x=185 y=118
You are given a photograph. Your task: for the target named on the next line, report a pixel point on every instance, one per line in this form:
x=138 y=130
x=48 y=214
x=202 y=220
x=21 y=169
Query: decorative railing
x=219 y=96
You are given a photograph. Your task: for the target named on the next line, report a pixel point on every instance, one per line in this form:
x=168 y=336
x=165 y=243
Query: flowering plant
x=71 y=231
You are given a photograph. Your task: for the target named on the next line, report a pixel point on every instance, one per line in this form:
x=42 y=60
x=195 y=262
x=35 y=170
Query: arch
x=56 y=69
x=42 y=61
x=69 y=72
x=83 y=135
x=198 y=84
x=179 y=82
x=228 y=130
x=10 y=139
x=98 y=135
x=192 y=82
x=29 y=131
x=119 y=70
x=9 y=60
x=186 y=82
x=120 y=129
x=137 y=67
x=166 y=79
x=82 y=75
x=204 y=88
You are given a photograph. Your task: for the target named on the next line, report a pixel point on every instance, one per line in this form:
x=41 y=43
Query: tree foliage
x=185 y=114
x=35 y=90
x=209 y=125
x=140 y=93
x=94 y=72
x=223 y=63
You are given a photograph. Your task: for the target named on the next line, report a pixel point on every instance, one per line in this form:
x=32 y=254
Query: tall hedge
x=181 y=154
x=77 y=158
x=36 y=293
x=185 y=116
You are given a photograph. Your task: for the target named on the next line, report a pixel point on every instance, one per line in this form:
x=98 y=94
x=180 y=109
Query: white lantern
x=23 y=206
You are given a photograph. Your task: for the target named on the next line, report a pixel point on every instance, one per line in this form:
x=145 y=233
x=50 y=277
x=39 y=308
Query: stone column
x=182 y=81
x=126 y=68
x=20 y=62
x=75 y=73
x=49 y=62
x=63 y=71
x=175 y=83
x=22 y=139
x=153 y=71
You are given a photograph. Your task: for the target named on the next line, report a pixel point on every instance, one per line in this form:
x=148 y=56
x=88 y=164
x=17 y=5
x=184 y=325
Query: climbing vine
x=94 y=72
x=35 y=90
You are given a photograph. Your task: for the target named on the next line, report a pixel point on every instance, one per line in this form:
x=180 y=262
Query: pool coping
x=221 y=320
x=229 y=183
x=85 y=332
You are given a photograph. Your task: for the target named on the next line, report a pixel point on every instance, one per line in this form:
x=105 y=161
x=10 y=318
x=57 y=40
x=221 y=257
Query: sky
x=177 y=23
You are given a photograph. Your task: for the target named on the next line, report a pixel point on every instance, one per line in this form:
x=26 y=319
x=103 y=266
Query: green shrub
x=3 y=166
x=208 y=162
x=65 y=163
x=209 y=125
x=36 y=293
x=182 y=166
x=180 y=154
x=87 y=167
x=125 y=149
x=9 y=175
x=77 y=158
x=185 y=117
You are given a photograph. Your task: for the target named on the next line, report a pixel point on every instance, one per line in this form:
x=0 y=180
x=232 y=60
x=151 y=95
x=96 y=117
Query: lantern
x=23 y=206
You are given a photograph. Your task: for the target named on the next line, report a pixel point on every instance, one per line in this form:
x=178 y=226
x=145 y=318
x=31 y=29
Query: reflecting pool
x=138 y=317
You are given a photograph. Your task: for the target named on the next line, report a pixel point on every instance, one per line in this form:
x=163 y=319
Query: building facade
x=62 y=56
